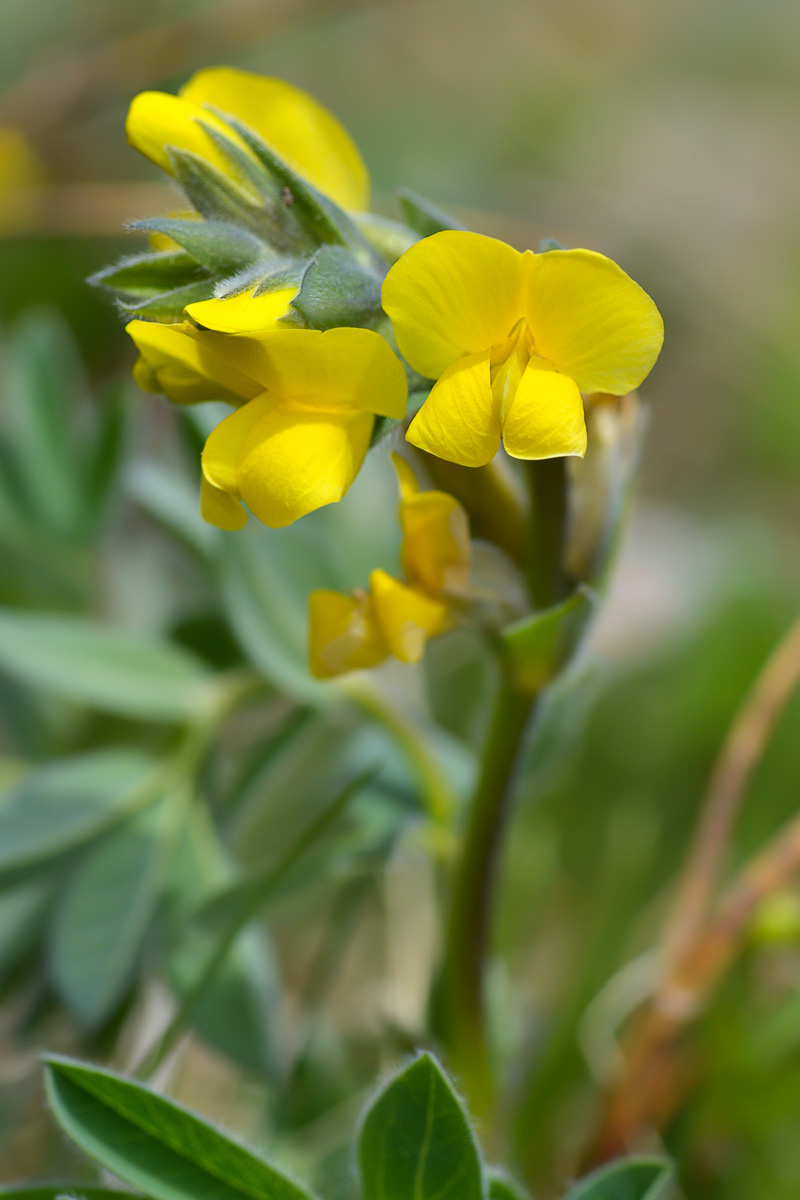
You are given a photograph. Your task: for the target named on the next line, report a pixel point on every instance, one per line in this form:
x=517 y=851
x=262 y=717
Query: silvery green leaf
x=416 y=1140
x=628 y=1179
x=502 y=1186
x=215 y=196
x=154 y=1144
x=168 y=306
x=145 y=276
x=218 y=245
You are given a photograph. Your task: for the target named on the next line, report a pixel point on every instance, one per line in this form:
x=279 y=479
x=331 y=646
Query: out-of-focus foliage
x=662 y=135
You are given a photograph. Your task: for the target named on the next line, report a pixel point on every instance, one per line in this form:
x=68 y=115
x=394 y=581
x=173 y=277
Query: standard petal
x=157 y=120
x=343 y=634
x=220 y=508
x=340 y=369
x=592 y=321
x=458 y=421
x=545 y=419
x=293 y=124
x=405 y=615
x=245 y=313
x=223 y=446
x=292 y=462
x=187 y=366
x=451 y=295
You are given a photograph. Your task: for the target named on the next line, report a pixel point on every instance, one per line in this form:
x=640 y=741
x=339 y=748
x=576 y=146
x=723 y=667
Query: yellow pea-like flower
x=396 y=618
x=294 y=125
x=512 y=340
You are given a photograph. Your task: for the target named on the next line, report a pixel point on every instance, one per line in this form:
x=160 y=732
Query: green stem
x=547 y=481
x=468 y=931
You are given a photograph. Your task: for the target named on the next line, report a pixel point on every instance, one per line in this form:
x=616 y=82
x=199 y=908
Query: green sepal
x=390 y=238
x=422 y=216
x=323 y=219
x=639 y=1178
x=218 y=245
x=168 y=306
x=539 y=646
x=338 y=290
x=144 y=276
x=214 y=195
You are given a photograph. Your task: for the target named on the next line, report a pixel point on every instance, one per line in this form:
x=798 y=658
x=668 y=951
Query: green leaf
x=43 y=382
x=218 y=245
x=416 y=1140
x=422 y=216
x=502 y=1186
x=111 y=669
x=103 y=915
x=628 y=1179
x=539 y=646
x=22 y=916
x=143 y=276
x=154 y=1144
x=338 y=290
x=65 y=804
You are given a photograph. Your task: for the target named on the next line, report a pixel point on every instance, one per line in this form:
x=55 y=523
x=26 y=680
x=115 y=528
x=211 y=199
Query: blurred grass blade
x=57 y=1191
x=115 y=670
x=154 y=1144
x=104 y=913
x=63 y=805
x=629 y=1179
x=417 y=1141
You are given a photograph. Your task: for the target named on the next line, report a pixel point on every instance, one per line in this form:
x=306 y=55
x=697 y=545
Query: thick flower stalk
x=513 y=340
x=396 y=618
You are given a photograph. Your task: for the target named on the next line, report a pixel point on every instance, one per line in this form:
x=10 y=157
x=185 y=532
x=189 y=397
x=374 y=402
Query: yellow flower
x=300 y=442
x=349 y=633
x=292 y=123
x=512 y=340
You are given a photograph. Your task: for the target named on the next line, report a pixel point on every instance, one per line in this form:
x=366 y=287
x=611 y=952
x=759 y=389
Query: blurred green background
x=663 y=134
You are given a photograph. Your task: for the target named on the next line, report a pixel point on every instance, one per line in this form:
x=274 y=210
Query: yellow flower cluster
x=394 y=618
x=509 y=340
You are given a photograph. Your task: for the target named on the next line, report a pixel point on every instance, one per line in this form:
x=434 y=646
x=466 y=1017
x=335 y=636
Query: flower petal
x=245 y=313
x=156 y=120
x=343 y=634
x=457 y=422
x=293 y=124
x=224 y=444
x=187 y=366
x=293 y=461
x=545 y=419
x=341 y=369
x=405 y=616
x=220 y=508
x=592 y=321
x=453 y=294
x=436 y=551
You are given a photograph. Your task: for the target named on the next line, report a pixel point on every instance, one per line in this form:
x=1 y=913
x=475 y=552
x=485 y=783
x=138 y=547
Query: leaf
x=169 y=498
x=166 y=306
x=218 y=245
x=238 y=1010
x=539 y=646
x=422 y=216
x=64 y=804
x=115 y=670
x=338 y=290
x=22 y=917
x=44 y=380
x=214 y=195
x=154 y=1144
x=104 y=913
x=416 y=1140
x=144 y=276
x=628 y=1179
x=502 y=1186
